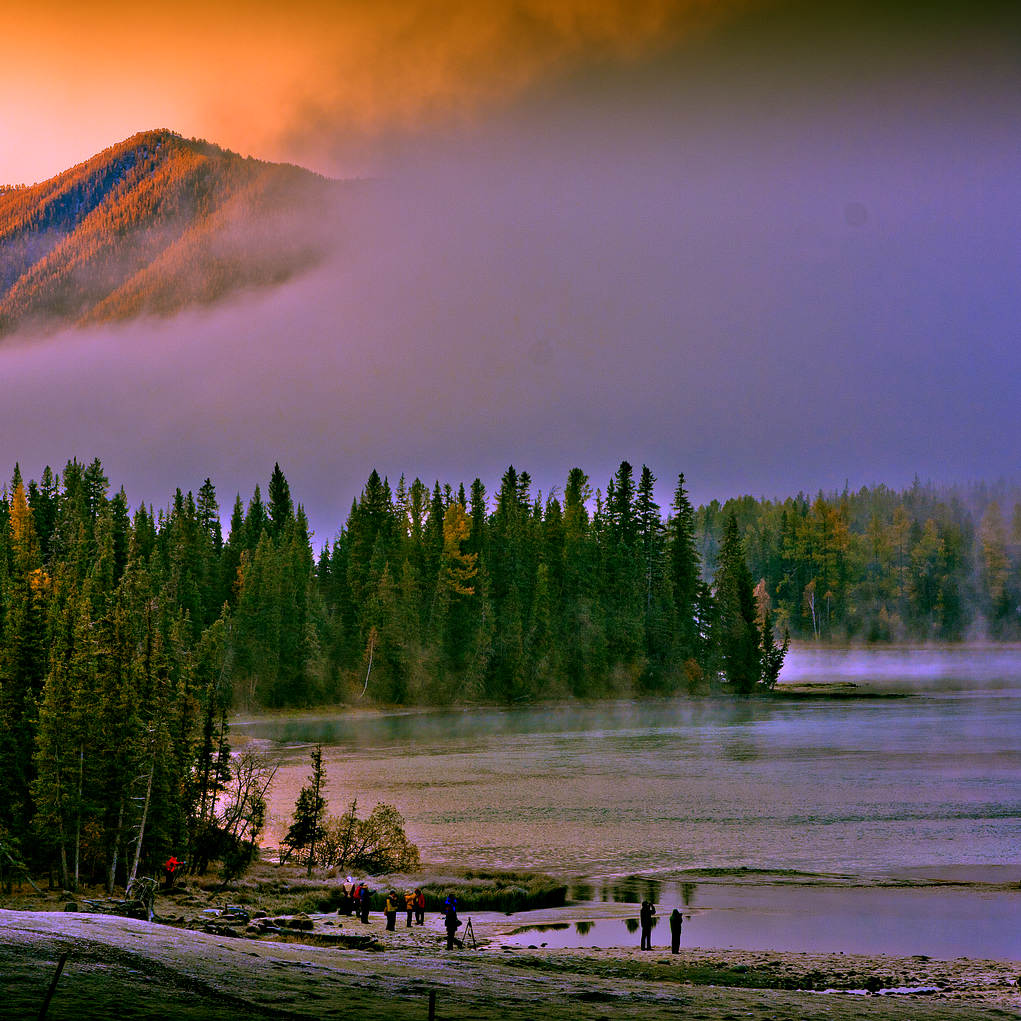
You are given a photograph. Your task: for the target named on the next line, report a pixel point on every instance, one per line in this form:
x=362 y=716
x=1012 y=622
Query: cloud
x=679 y=286
x=296 y=80
x=584 y=245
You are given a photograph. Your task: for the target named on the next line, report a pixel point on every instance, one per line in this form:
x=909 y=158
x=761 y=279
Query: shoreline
x=142 y=969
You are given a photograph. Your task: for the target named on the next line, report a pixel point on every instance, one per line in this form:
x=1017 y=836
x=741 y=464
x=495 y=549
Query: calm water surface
x=943 y=922
x=655 y=788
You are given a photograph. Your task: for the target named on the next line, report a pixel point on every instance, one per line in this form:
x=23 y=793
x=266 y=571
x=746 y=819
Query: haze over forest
x=774 y=247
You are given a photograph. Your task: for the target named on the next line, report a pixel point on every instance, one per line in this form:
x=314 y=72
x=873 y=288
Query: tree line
x=876 y=565
x=127 y=635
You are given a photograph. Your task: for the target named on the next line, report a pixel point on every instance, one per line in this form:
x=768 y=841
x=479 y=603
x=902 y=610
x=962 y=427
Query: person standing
x=419 y=907
x=647 y=917
x=363 y=903
x=410 y=900
x=675 y=931
x=391 y=910
x=170 y=868
x=451 y=921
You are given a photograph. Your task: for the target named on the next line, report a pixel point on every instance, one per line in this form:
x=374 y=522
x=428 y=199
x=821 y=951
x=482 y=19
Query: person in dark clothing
x=647 y=916
x=451 y=922
x=363 y=898
x=675 y=931
x=419 y=908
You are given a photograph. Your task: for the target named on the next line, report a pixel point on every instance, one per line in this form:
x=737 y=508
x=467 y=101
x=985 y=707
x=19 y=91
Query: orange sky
x=266 y=78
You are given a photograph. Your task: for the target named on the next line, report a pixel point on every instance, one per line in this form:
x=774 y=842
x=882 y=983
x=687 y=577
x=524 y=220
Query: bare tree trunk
x=372 y=649
x=78 y=819
x=111 y=878
x=64 y=877
x=141 y=826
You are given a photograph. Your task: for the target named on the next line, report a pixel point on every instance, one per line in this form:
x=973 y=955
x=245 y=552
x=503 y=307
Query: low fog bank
x=767 y=301
x=970 y=667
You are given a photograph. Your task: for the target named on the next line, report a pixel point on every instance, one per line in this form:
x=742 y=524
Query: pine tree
x=281 y=509
x=684 y=572
x=738 y=632
x=307 y=829
x=23 y=655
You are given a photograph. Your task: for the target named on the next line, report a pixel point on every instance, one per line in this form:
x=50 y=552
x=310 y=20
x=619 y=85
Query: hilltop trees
x=151 y=225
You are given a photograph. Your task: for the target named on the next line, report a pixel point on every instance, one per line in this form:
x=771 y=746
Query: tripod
x=469 y=931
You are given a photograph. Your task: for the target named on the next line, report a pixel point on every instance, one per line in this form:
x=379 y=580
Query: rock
x=70 y=906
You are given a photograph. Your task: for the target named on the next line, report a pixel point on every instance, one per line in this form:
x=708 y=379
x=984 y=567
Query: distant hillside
x=152 y=225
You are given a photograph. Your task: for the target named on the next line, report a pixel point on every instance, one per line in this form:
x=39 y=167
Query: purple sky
x=769 y=278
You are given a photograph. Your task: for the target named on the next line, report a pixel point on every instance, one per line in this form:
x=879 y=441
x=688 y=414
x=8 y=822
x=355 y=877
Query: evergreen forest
x=128 y=634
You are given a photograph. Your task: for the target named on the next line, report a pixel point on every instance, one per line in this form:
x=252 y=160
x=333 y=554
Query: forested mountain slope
x=152 y=225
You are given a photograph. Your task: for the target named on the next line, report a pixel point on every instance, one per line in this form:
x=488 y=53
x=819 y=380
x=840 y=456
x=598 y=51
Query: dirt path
x=117 y=967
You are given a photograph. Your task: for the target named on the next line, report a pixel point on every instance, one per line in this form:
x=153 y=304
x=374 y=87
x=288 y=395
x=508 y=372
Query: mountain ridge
x=151 y=225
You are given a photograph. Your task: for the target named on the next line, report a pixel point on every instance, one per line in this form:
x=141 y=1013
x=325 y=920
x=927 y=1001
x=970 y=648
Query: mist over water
x=964 y=668
x=657 y=788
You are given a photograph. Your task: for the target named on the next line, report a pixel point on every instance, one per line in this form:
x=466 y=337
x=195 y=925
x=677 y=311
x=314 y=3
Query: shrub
x=375 y=845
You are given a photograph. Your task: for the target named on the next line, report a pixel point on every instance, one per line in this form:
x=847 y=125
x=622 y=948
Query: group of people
x=647 y=917
x=356 y=899
x=414 y=905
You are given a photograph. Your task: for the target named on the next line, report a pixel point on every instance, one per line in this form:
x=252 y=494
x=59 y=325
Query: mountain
x=152 y=225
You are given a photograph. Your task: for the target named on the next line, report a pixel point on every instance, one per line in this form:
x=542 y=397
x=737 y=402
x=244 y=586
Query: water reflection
x=632 y=890
x=940 y=922
x=624 y=719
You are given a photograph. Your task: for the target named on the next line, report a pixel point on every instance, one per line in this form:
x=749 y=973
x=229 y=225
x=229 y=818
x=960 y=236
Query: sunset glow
x=267 y=79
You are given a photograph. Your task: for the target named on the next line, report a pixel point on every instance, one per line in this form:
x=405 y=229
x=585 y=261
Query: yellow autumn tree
x=458 y=569
x=24 y=543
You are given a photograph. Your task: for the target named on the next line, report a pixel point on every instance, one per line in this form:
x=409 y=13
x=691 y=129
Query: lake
x=659 y=787
x=906 y=787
